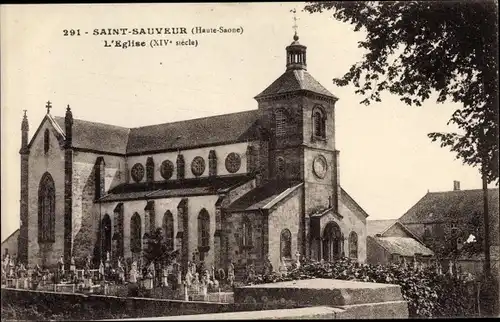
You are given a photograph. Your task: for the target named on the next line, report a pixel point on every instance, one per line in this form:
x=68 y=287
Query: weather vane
x=294 y=11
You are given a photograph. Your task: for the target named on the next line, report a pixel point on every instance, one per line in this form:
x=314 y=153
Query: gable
x=396 y=230
x=56 y=136
x=374 y=227
x=352 y=204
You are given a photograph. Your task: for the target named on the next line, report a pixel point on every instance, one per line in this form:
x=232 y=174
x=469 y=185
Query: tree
x=157 y=250
x=414 y=48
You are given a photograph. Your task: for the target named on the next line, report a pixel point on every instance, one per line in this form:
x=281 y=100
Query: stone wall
x=91 y=307
x=376 y=254
x=221 y=152
x=40 y=163
x=86 y=216
x=286 y=215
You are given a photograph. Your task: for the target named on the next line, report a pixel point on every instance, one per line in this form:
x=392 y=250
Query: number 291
x=71 y=32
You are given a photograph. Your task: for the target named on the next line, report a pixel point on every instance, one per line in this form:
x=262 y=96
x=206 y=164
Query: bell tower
x=298 y=114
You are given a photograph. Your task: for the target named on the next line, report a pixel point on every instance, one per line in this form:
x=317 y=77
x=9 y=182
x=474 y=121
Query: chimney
x=456 y=185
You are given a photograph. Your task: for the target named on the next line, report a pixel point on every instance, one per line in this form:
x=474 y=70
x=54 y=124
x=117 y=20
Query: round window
x=137 y=172
x=320 y=166
x=198 y=166
x=233 y=162
x=166 y=169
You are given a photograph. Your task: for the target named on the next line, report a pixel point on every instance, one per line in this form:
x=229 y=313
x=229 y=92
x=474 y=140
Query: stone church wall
x=286 y=215
x=194 y=205
x=86 y=219
x=221 y=152
x=355 y=221
x=39 y=163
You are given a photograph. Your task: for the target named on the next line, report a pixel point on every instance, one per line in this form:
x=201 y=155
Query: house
x=445 y=221
x=389 y=241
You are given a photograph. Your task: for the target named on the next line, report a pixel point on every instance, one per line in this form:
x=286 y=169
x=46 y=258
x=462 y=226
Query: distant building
x=388 y=241
x=445 y=220
x=9 y=245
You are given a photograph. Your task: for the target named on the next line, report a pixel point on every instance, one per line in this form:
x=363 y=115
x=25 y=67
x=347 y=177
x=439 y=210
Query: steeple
x=68 y=122
x=24 y=133
x=295 y=53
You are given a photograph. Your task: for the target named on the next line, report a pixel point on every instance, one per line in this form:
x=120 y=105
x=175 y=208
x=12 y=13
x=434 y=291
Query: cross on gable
x=48 y=106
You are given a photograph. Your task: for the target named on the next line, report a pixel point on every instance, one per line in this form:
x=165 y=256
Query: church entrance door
x=331 y=241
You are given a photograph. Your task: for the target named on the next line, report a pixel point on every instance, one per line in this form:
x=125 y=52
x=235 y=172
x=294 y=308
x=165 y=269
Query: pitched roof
x=13 y=235
x=449 y=206
x=264 y=197
x=346 y=198
x=295 y=80
x=175 y=188
x=219 y=129
x=374 y=227
x=227 y=128
x=404 y=246
x=97 y=136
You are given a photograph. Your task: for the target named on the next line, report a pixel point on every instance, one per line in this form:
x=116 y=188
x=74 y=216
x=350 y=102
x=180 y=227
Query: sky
x=387 y=162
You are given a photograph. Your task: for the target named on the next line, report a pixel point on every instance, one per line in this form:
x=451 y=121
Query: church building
x=236 y=188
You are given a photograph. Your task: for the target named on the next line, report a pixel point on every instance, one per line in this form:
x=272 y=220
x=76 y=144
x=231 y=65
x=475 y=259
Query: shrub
x=428 y=294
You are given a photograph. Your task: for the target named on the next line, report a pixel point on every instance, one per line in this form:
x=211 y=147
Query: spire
x=68 y=122
x=24 y=134
x=295 y=53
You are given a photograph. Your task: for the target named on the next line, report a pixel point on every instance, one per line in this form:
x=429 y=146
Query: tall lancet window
x=203 y=233
x=319 y=123
x=150 y=170
x=106 y=233
x=286 y=244
x=135 y=234
x=99 y=178
x=280 y=123
x=168 y=229
x=247 y=232
x=46 y=141
x=46 y=209
x=353 y=245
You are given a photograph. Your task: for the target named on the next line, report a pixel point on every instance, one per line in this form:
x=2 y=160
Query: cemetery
x=339 y=289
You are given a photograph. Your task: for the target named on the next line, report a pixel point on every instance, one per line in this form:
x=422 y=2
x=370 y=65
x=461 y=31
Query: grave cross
x=48 y=106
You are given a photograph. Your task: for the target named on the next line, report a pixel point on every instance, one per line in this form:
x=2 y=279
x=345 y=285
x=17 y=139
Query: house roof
x=449 y=206
x=264 y=197
x=374 y=227
x=219 y=129
x=404 y=246
x=97 y=136
x=175 y=188
x=295 y=80
x=227 y=128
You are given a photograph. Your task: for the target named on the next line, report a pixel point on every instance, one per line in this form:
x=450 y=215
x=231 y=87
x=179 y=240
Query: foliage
x=157 y=250
x=414 y=48
x=428 y=294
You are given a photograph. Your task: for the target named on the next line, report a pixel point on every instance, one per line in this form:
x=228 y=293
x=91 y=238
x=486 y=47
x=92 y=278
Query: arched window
x=135 y=234
x=106 y=233
x=99 y=177
x=150 y=170
x=168 y=228
x=280 y=123
x=280 y=167
x=319 y=123
x=46 y=209
x=247 y=232
x=332 y=242
x=353 y=245
x=203 y=228
x=46 y=141
x=286 y=244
